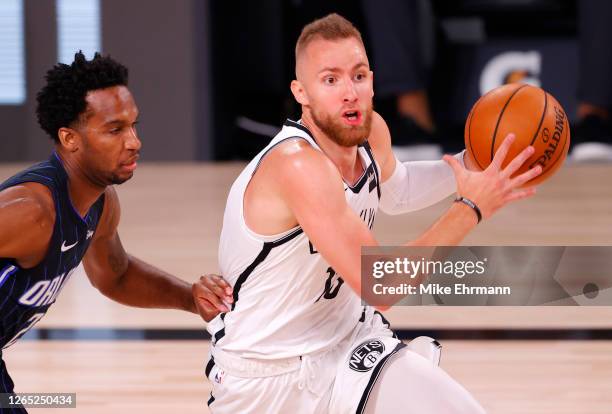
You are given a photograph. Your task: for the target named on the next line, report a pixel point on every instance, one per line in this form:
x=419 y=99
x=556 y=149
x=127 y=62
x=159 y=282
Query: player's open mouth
x=352 y=117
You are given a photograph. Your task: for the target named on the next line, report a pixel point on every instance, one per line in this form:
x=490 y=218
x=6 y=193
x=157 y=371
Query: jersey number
x=331 y=287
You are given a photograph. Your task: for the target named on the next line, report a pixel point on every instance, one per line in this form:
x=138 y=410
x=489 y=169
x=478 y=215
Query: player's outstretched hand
x=211 y=295
x=495 y=187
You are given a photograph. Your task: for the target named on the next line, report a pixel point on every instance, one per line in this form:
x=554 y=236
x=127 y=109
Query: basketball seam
x=541 y=119
x=470 y=134
x=500 y=117
x=470 y=116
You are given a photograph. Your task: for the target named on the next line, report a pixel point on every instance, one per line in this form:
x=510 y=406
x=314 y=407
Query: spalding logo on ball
x=533 y=115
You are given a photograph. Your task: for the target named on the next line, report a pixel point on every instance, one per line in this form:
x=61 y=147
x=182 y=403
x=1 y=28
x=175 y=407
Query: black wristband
x=471 y=204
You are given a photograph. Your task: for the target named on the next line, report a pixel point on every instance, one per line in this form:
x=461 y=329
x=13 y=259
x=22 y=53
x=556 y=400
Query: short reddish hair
x=331 y=27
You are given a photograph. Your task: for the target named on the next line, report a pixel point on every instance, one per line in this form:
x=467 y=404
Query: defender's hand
x=211 y=295
x=493 y=188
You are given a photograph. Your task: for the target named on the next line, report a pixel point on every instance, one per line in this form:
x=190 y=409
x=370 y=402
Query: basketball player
x=60 y=211
x=297 y=339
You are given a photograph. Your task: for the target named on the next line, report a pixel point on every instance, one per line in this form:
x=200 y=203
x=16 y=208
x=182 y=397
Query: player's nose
x=350 y=93
x=132 y=142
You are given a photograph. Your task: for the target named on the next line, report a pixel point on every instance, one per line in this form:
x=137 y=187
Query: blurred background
x=212 y=77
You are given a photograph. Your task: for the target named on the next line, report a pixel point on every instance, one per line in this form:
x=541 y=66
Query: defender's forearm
x=143 y=285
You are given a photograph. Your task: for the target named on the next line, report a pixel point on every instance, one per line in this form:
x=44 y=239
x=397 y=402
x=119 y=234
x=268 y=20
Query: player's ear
x=372 y=76
x=69 y=139
x=298 y=92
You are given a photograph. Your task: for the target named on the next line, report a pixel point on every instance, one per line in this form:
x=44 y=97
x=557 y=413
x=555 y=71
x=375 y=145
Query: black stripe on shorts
x=374 y=377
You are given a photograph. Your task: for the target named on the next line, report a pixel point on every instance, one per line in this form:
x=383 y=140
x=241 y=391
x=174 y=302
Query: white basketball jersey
x=288 y=301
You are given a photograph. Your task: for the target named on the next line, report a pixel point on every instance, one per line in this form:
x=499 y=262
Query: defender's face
x=110 y=142
x=338 y=83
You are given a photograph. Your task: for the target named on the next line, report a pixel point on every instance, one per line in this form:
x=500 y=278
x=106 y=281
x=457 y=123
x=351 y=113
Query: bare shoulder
x=291 y=174
x=297 y=161
x=29 y=204
x=27 y=217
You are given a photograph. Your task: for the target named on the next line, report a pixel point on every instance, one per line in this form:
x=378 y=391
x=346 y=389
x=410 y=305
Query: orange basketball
x=532 y=115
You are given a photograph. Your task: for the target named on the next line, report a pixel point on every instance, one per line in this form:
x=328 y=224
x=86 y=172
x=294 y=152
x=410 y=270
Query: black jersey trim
x=363 y=315
x=247 y=272
x=297 y=125
x=263 y=254
x=368 y=148
x=221 y=332
x=356 y=188
x=286 y=237
x=368 y=172
x=374 y=377
x=209 y=366
x=386 y=322
x=271 y=148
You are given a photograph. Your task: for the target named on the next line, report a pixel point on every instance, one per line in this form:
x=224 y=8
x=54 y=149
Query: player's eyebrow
x=357 y=66
x=114 y=121
x=119 y=121
x=329 y=69
x=336 y=69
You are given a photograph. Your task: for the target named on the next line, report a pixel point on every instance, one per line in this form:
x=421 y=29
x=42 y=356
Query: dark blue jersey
x=26 y=294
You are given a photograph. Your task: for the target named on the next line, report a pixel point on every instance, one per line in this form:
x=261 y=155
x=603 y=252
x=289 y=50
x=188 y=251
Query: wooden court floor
x=171 y=216
x=529 y=377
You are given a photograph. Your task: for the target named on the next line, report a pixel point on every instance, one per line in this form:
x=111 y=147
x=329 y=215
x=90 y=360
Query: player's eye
x=360 y=76
x=329 y=80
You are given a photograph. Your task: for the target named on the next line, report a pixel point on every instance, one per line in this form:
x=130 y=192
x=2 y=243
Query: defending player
x=58 y=212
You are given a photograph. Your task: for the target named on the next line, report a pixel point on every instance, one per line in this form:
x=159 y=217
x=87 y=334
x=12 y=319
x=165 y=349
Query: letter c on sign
x=500 y=66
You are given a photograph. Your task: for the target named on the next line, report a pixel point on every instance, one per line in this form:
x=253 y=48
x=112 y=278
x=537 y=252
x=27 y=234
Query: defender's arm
x=131 y=281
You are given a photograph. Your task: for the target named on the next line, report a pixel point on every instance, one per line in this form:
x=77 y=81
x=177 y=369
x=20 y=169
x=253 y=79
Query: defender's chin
x=117 y=179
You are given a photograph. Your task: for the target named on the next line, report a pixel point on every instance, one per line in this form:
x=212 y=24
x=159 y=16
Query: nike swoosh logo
x=65 y=248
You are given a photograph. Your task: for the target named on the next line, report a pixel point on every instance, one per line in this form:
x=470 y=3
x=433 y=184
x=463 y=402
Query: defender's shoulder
x=29 y=204
x=27 y=218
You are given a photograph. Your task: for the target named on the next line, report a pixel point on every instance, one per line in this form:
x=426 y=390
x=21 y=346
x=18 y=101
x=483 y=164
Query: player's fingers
x=525 y=177
x=217 y=285
x=217 y=305
x=502 y=151
x=518 y=161
x=207 y=310
x=219 y=279
x=454 y=164
x=204 y=295
x=520 y=194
